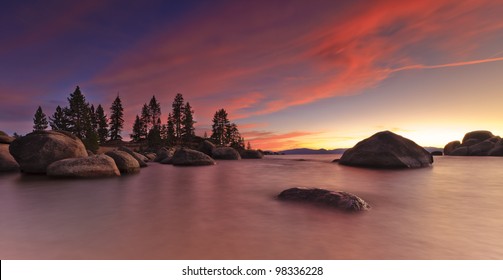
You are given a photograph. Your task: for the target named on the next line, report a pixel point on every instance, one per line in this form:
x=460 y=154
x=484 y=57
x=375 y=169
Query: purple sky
x=290 y=73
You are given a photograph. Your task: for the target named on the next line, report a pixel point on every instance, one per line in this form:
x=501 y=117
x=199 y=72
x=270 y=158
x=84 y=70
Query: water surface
x=453 y=210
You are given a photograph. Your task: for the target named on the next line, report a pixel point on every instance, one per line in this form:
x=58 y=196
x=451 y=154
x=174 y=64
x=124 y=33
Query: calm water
x=453 y=210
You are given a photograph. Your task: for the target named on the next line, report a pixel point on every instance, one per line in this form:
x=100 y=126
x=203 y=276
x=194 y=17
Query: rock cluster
x=386 y=150
x=37 y=150
x=476 y=143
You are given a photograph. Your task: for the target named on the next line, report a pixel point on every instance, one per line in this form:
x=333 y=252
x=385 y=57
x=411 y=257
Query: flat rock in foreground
x=341 y=200
x=88 y=167
x=387 y=150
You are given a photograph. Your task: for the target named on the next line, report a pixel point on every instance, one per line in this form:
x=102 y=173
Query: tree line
x=94 y=128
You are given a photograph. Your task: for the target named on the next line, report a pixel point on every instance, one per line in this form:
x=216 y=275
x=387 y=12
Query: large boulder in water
x=125 y=162
x=228 y=153
x=476 y=136
x=37 y=150
x=5 y=138
x=451 y=146
x=387 y=150
x=87 y=167
x=206 y=147
x=7 y=162
x=133 y=154
x=341 y=200
x=187 y=157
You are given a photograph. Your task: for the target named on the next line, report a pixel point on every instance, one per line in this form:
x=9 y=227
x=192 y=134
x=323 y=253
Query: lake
x=453 y=210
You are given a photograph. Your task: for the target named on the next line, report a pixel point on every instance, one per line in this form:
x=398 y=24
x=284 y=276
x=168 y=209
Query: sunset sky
x=316 y=74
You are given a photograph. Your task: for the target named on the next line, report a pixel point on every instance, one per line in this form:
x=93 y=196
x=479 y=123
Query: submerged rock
x=387 y=150
x=437 y=153
x=341 y=200
x=133 y=154
x=187 y=157
x=228 y=153
x=251 y=154
x=125 y=162
x=7 y=162
x=87 y=167
x=37 y=150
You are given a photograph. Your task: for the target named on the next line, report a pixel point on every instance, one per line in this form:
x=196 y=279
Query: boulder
x=451 y=146
x=150 y=156
x=125 y=162
x=481 y=149
x=86 y=167
x=7 y=162
x=497 y=151
x=251 y=154
x=187 y=157
x=142 y=157
x=164 y=153
x=387 y=150
x=460 y=151
x=37 y=150
x=133 y=154
x=5 y=138
x=469 y=142
x=341 y=200
x=228 y=153
x=437 y=153
x=479 y=135
x=206 y=147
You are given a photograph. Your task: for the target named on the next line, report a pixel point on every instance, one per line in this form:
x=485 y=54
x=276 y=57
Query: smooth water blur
x=453 y=210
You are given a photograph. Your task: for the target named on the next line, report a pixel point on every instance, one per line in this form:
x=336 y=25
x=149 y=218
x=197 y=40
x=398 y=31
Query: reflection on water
x=453 y=210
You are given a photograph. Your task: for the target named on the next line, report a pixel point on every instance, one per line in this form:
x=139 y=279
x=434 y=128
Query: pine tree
x=58 y=120
x=39 y=120
x=146 y=121
x=116 y=119
x=177 y=115
x=154 y=108
x=188 y=124
x=219 y=127
x=77 y=113
x=137 y=129
x=154 y=135
x=248 y=147
x=170 y=132
x=102 y=123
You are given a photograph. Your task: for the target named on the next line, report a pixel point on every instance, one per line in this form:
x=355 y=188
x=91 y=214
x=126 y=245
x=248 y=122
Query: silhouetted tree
x=58 y=120
x=137 y=129
x=77 y=113
x=170 y=132
x=102 y=124
x=177 y=115
x=154 y=108
x=233 y=137
x=145 y=120
x=116 y=119
x=187 y=124
x=219 y=127
x=39 y=120
x=248 y=147
x=154 y=136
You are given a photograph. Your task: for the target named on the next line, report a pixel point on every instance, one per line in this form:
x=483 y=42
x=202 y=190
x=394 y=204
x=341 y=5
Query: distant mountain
x=306 y=151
